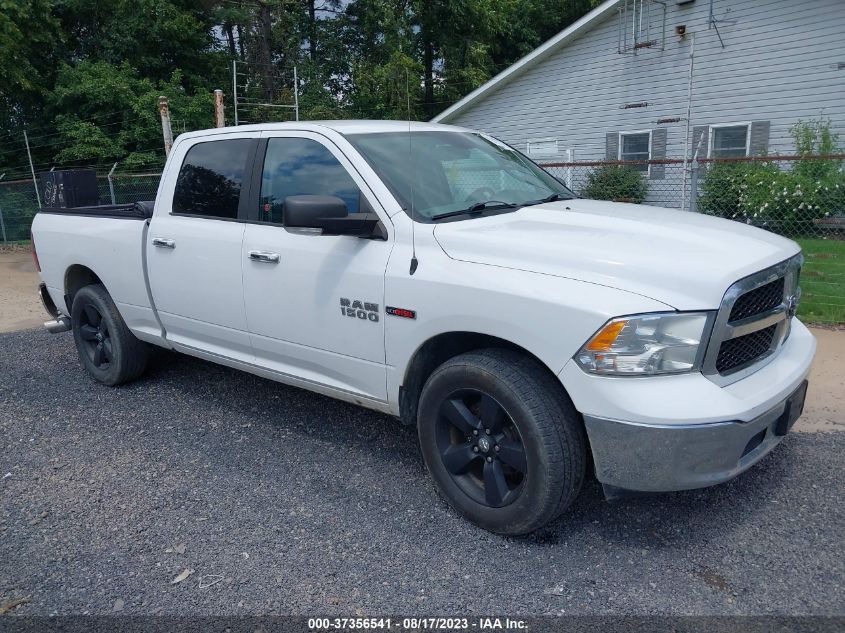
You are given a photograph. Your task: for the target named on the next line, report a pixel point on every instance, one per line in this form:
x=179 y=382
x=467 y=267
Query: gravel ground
x=288 y=502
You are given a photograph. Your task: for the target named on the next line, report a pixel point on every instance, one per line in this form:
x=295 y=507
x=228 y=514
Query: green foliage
x=123 y=106
x=786 y=201
x=18 y=205
x=620 y=183
x=84 y=76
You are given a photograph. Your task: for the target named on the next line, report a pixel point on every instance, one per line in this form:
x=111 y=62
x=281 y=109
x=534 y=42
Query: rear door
x=315 y=303
x=194 y=245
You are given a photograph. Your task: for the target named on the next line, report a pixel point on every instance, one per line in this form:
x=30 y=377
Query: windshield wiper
x=550 y=198
x=476 y=208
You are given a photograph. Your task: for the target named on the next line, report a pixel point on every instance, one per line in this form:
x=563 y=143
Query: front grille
x=752 y=322
x=742 y=350
x=758 y=300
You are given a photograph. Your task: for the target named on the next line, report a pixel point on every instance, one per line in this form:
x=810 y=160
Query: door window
x=301 y=166
x=209 y=182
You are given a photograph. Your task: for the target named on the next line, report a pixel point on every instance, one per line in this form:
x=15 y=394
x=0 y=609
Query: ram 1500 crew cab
x=436 y=274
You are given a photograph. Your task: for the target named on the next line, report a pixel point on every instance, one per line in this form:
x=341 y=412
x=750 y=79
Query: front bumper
x=665 y=433
x=657 y=458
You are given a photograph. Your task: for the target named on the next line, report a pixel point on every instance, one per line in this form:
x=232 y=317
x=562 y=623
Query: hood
x=686 y=260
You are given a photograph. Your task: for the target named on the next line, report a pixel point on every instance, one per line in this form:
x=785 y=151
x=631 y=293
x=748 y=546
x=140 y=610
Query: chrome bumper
x=660 y=458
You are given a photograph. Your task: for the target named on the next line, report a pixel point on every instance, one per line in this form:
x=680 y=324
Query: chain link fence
x=19 y=201
x=800 y=197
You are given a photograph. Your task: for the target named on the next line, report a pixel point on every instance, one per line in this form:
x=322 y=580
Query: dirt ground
x=21 y=309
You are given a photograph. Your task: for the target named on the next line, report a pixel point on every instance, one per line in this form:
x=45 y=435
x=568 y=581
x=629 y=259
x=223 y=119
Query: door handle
x=164 y=242
x=264 y=256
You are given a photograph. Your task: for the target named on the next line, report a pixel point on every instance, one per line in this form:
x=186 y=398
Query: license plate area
x=792 y=411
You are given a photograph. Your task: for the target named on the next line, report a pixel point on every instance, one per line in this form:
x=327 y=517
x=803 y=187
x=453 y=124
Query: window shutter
x=658 y=152
x=611 y=145
x=759 y=145
x=700 y=132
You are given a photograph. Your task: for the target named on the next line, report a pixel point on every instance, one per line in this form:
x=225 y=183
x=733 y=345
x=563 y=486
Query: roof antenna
x=414 y=262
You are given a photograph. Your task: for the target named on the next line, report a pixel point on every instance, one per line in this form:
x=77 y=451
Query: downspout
x=689 y=121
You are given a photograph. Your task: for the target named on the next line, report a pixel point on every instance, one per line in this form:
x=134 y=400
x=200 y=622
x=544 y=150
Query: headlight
x=646 y=344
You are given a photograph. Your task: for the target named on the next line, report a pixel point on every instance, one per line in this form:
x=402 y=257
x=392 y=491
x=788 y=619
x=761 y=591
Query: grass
x=14 y=245
x=823 y=281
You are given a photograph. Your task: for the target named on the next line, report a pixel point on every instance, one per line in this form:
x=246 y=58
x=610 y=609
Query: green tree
x=106 y=112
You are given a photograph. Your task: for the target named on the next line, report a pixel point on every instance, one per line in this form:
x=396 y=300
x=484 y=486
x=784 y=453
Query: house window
x=729 y=141
x=542 y=148
x=635 y=146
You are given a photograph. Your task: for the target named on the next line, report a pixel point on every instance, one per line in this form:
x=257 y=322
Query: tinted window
x=300 y=166
x=210 y=180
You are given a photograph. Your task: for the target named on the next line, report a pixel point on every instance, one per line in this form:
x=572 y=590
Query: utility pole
x=296 y=93
x=684 y=206
x=166 y=130
x=2 y=223
x=32 y=169
x=235 y=89
x=219 y=115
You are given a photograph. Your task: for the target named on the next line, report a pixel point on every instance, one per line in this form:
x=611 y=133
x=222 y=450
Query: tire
x=484 y=476
x=108 y=351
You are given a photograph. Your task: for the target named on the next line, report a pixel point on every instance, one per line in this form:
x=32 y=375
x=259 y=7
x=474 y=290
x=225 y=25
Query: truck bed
x=109 y=241
x=132 y=210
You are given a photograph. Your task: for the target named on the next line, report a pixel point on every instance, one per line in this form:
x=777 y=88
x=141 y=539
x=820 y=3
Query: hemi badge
x=401 y=312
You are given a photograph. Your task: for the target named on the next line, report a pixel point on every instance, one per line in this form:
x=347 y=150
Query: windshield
x=445 y=173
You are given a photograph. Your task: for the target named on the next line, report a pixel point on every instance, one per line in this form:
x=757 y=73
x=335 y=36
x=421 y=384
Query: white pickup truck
x=435 y=274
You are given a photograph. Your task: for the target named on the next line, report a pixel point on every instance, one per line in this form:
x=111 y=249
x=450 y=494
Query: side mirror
x=330 y=214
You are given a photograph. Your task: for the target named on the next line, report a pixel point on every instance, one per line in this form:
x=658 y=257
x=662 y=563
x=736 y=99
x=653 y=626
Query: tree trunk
x=265 y=58
x=428 y=79
x=312 y=30
x=240 y=41
x=230 y=38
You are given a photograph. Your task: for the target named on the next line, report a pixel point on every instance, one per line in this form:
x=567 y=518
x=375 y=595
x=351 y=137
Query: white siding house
x=616 y=84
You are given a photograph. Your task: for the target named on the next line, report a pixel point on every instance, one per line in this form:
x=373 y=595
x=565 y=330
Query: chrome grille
x=760 y=300
x=752 y=322
x=742 y=350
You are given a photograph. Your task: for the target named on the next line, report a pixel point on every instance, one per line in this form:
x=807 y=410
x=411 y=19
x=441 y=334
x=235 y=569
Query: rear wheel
x=502 y=441
x=106 y=347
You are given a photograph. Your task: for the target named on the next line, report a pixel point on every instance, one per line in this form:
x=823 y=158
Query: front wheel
x=106 y=347
x=502 y=441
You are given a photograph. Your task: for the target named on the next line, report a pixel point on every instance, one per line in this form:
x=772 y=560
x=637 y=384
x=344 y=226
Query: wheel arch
x=437 y=350
x=77 y=277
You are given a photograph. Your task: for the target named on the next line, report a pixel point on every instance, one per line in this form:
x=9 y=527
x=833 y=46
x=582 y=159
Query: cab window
x=209 y=182
x=301 y=166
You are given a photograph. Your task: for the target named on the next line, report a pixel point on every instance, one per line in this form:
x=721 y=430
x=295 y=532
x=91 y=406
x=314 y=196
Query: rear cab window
x=211 y=178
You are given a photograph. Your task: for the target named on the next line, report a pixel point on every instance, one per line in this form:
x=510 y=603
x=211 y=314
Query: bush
x=724 y=184
x=784 y=201
x=619 y=183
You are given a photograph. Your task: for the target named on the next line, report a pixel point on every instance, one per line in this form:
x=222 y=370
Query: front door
x=194 y=246
x=315 y=303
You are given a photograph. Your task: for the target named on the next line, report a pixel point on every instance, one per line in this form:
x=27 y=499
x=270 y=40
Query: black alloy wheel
x=481 y=448
x=94 y=331
x=502 y=440
x=107 y=349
